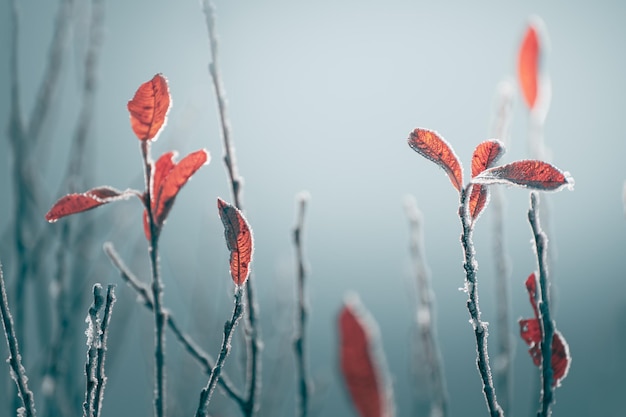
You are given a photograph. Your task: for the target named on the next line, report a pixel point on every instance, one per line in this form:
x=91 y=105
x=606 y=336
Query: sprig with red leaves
x=240 y=243
x=163 y=181
x=548 y=347
x=533 y=174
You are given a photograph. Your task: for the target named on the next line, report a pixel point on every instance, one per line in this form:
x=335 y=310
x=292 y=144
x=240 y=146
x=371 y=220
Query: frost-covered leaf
x=79 y=202
x=531 y=333
x=485 y=155
x=148 y=108
x=537 y=175
x=432 y=146
x=360 y=366
x=172 y=179
x=239 y=240
x=168 y=177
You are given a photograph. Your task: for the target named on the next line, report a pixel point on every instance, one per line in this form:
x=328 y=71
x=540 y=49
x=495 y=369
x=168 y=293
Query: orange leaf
x=148 y=108
x=532 y=174
x=239 y=240
x=172 y=179
x=77 y=203
x=430 y=145
x=360 y=369
x=485 y=155
x=478 y=200
x=528 y=66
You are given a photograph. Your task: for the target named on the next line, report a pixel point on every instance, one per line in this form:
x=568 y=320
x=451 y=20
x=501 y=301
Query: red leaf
x=239 y=240
x=531 y=333
x=528 y=66
x=478 y=200
x=561 y=359
x=360 y=369
x=532 y=174
x=148 y=108
x=485 y=155
x=76 y=203
x=171 y=178
x=432 y=146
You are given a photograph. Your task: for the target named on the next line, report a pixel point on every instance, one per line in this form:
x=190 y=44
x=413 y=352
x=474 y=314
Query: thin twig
x=543 y=303
x=102 y=348
x=426 y=314
x=503 y=368
x=304 y=383
x=253 y=368
x=93 y=340
x=157 y=289
x=229 y=328
x=15 y=359
x=189 y=344
x=480 y=328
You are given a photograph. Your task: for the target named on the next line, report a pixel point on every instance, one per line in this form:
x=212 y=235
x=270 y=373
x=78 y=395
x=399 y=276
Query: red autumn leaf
x=239 y=240
x=528 y=66
x=168 y=177
x=478 y=200
x=485 y=155
x=148 y=108
x=172 y=178
x=361 y=371
x=432 y=146
x=79 y=202
x=532 y=174
x=531 y=333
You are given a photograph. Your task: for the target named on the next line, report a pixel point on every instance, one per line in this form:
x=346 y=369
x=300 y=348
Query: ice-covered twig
x=425 y=316
x=304 y=384
x=189 y=344
x=101 y=351
x=254 y=345
x=18 y=373
x=543 y=303
x=480 y=327
x=229 y=328
x=93 y=342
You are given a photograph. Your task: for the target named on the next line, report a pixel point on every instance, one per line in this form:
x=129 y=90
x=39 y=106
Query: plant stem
x=157 y=290
x=229 y=329
x=190 y=345
x=15 y=359
x=102 y=348
x=304 y=384
x=480 y=328
x=543 y=304
x=93 y=339
x=425 y=316
x=253 y=368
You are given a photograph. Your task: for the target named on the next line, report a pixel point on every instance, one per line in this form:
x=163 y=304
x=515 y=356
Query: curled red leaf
x=432 y=146
x=531 y=333
x=537 y=175
x=148 y=108
x=485 y=155
x=528 y=66
x=168 y=177
x=239 y=240
x=79 y=202
x=360 y=368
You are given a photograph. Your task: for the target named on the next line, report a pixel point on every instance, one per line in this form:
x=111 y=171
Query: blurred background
x=322 y=97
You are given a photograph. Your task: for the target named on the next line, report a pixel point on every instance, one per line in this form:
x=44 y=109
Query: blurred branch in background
x=503 y=363
x=428 y=363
